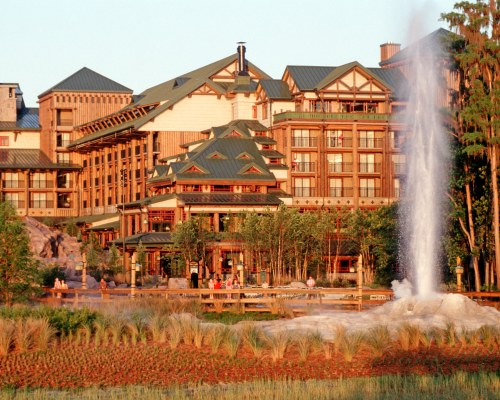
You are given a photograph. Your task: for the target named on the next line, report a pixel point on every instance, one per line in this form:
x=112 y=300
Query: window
x=397 y=188
x=302 y=187
x=367 y=139
x=63 y=158
x=339 y=138
x=335 y=163
x=399 y=163
x=335 y=187
x=64 y=117
x=264 y=110
x=63 y=180
x=302 y=162
x=39 y=180
x=16 y=199
x=302 y=138
x=367 y=187
x=40 y=200
x=63 y=139
x=367 y=163
x=4 y=141
x=12 y=180
x=396 y=139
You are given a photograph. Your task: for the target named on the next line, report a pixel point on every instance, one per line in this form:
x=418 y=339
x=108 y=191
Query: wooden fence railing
x=274 y=300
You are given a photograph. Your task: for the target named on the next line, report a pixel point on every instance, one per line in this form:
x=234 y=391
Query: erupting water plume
x=426 y=150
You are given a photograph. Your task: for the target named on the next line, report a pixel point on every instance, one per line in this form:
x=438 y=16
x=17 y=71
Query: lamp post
x=240 y=267
x=459 y=270
x=82 y=266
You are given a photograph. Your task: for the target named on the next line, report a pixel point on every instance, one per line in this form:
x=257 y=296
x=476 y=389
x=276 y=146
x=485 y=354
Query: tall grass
x=377 y=339
x=254 y=338
x=351 y=344
x=232 y=342
x=459 y=386
x=278 y=343
x=7 y=334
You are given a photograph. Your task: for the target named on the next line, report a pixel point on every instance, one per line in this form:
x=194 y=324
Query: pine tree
x=20 y=277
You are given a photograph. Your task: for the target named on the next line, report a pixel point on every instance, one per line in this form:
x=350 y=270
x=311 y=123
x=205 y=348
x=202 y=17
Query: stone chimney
x=387 y=50
x=8 y=103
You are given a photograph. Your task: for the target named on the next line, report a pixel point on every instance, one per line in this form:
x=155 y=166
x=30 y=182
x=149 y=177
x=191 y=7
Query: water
x=426 y=151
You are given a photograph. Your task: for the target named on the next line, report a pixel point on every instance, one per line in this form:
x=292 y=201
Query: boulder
x=178 y=283
x=298 y=285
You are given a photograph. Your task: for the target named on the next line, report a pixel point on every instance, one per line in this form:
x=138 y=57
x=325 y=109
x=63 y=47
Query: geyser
x=426 y=150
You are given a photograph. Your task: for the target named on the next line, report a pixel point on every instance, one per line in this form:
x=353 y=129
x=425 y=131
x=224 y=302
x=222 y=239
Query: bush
x=50 y=274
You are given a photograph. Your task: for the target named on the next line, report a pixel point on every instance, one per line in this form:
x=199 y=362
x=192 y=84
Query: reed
x=378 y=339
x=174 y=331
x=253 y=337
x=232 y=342
x=7 y=335
x=24 y=334
x=44 y=333
x=351 y=344
x=278 y=343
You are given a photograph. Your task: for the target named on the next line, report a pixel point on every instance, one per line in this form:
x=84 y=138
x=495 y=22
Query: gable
x=251 y=169
x=216 y=155
x=244 y=156
x=355 y=80
x=193 y=169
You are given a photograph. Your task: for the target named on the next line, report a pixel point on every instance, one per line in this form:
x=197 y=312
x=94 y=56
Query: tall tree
x=478 y=125
x=19 y=274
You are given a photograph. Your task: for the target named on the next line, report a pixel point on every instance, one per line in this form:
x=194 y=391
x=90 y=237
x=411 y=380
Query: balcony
x=370 y=192
x=339 y=142
x=318 y=116
x=370 y=143
x=304 y=142
x=304 y=191
x=339 y=167
x=341 y=192
x=370 y=168
x=303 y=167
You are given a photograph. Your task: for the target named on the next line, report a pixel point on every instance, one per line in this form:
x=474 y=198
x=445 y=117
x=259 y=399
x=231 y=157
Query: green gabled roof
x=86 y=80
x=272 y=154
x=440 y=38
x=168 y=94
x=307 y=77
x=90 y=219
x=343 y=69
x=147 y=239
x=30 y=159
x=264 y=140
x=276 y=89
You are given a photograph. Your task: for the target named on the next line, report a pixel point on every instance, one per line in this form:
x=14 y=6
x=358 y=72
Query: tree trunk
x=496 y=213
x=472 y=235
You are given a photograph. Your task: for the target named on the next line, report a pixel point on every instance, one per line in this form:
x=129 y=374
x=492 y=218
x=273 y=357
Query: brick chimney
x=387 y=50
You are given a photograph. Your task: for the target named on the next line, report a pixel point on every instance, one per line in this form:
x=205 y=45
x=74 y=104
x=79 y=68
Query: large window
x=63 y=139
x=367 y=139
x=40 y=200
x=336 y=187
x=335 y=163
x=367 y=163
x=338 y=138
x=12 y=180
x=16 y=199
x=367 y=188
x=63 y=158
x=302 y=138
x=39 y=180
x=64 y=117
x=302 y=163
x=302 y=187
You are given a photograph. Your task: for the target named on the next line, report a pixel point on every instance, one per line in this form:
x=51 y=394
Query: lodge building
x=219 y=140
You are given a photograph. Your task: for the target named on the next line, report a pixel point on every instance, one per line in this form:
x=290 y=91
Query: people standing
x=211 y=286
x=311 y=282
x=57 y=285
x=229 y=286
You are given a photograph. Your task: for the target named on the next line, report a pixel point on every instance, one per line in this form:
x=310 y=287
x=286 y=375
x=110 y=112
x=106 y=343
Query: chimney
x=242 y=63
x=387 y=50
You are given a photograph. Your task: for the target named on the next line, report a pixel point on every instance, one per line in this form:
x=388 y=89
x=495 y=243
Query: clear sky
x=141 y=43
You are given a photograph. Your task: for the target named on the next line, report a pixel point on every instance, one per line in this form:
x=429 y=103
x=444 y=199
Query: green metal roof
x=30 y=159
x=254 y=199
x=171 y=92
x=276 y=89
x=86 y=80
x=440 y=38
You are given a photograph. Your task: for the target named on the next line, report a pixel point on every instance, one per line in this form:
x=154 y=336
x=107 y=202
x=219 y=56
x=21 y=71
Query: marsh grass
x=303 y=343
x=489 y=335
x=24 y=334
x=409 y=336
x=216 y=336
x=378 y=338
x=450 y=334
x=351 y=344
x=459 y=386
x=232 y=342
x=339 y=333
x=7 y=335
x=278 y=343
x=174 y=331
x=253 y=337
x=44 y=333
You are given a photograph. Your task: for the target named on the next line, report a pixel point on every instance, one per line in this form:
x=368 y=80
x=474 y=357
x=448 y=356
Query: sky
x=141 y=43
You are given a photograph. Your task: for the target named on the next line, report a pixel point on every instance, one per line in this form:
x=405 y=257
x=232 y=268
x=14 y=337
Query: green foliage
x=231 y=319
x=64 y=320
x=19 y=275
x=71 y=228
x=49 y=275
